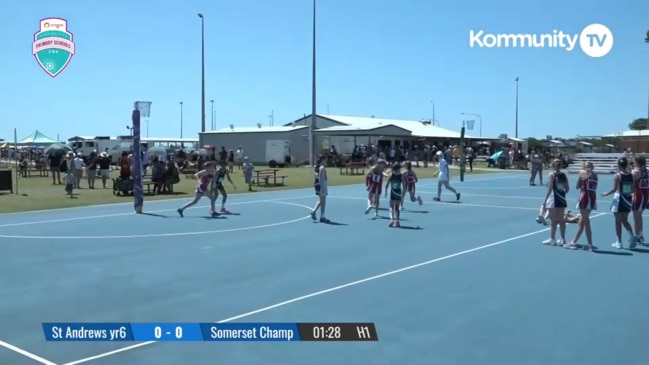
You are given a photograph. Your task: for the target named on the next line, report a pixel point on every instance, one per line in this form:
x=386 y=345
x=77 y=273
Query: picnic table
x=189 y=171
x=353 y=168
x=36 y=170
x=269 y=177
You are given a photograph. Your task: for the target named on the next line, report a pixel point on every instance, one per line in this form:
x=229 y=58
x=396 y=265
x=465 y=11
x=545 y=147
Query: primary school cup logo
x=53 y=46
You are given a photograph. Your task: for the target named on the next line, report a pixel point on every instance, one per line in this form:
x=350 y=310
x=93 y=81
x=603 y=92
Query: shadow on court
x=612 y=253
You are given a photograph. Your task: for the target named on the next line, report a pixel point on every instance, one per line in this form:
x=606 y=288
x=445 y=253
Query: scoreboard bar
x=209 y=332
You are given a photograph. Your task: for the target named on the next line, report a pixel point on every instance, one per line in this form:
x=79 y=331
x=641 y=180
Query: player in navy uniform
x=622 y=201
x=556 y=203
x=217 y=185
x=394 y=186
x=640 y=195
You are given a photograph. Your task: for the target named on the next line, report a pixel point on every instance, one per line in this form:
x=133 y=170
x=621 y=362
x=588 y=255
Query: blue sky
x=384 y=58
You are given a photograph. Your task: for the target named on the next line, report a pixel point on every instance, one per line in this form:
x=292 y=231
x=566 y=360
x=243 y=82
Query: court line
x=509 y=174
x=539 y=197
x=445 y=203
x=27 y=354
x=146 y=211
x=329 y=290
x=172 y=234
x=496 y=187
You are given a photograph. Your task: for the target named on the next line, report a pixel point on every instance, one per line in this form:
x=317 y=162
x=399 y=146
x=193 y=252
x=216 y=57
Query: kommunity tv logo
x=595 y=40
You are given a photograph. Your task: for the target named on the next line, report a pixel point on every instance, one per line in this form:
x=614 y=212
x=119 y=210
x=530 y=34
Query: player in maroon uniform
x=409 y=182
x=374 y=183
x=640 y=196
x=587 y=202
x=204 y=178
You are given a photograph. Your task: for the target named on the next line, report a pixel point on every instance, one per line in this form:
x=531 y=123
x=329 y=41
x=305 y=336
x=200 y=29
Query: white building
x=343 y=132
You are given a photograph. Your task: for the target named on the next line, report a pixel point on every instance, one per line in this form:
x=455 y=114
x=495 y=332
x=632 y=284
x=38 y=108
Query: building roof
x=415 y=127
x=640 y=133
x=261 y=129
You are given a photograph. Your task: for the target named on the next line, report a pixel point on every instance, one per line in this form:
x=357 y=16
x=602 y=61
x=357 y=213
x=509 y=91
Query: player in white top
x=444 y=177
x=320 y=186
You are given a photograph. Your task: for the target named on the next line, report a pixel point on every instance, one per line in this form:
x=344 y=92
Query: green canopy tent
x=37 y=138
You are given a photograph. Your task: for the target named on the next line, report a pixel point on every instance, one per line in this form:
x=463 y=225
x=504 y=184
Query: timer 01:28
x=326 y=332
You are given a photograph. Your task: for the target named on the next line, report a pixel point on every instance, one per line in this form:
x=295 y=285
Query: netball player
x=394 y=185
x=587 y=202
x=556 y=203
x=320 y=185
x=217 y=186
x=622 y=201
x=374 y=183
x=640 y=196
x=409 y=183
x=444 y=177
x=202 y=189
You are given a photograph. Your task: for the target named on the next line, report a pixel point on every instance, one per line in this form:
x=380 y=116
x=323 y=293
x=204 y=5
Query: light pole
x=147 y=128
x=212 y=102
x=516 y=130
x=434 y=121
x=202 y=72
x=271 y=118
x=181 y=119
x=479 y=120
x=312 y=124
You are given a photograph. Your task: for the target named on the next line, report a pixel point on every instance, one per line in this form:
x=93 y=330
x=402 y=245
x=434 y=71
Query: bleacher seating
x=603 y=163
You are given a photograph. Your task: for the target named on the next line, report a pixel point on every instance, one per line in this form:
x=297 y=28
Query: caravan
x=87 y=145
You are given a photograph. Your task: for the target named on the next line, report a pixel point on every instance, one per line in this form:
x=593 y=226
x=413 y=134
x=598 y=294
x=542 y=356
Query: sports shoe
x=324 y=220
x=550 y=242
x=391 y=223
x=633 y=242
x=616 y=245
x=570 y=246
x=180 y=212
x=397 y=224
x=419 y=200
x=313 y=216
x=223 y=210
x=437 y=199
x=457 y=196
x=368 y=209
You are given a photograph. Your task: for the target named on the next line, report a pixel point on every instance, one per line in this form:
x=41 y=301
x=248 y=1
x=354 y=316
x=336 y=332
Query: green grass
x=38 y=193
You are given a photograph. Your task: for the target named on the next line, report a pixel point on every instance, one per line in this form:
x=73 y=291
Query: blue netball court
x=458 y=283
